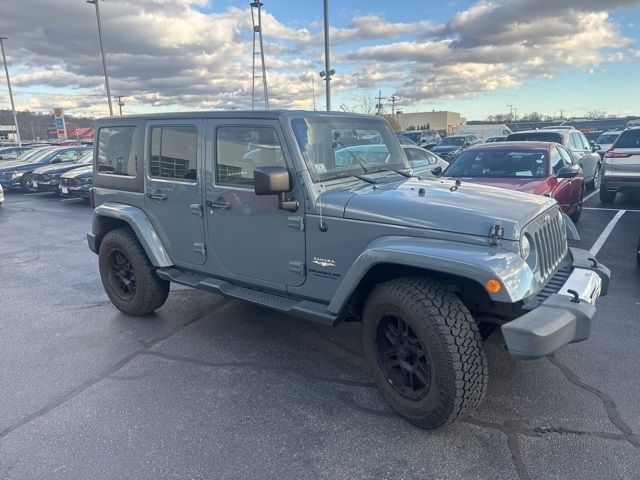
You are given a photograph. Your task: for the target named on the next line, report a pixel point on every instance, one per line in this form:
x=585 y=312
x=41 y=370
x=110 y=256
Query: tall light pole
x=328 y=72
x=13 y=107
x=104 y=61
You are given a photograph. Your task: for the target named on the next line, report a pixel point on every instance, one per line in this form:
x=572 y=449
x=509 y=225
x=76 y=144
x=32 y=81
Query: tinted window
x=240 y=150
x=556 y=160
x=66 y=156
x=499 y=163
x=535 y=137
x=585 y=143
x=116 y=151
x=629 y=139
x=174 y=152
x=607 y=138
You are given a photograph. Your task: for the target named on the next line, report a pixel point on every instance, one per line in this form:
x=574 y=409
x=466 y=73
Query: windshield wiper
x=359 y=177
x=399 y=172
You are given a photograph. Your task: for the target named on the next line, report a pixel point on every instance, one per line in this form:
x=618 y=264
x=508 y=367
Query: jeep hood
x=432 y=204
x=529 y=185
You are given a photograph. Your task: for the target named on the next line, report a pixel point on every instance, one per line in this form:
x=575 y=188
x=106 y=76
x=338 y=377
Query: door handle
x=220 y=204
x=161 y=197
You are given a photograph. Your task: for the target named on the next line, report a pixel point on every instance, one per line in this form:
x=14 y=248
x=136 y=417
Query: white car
x=1 y=196
x=605 y=142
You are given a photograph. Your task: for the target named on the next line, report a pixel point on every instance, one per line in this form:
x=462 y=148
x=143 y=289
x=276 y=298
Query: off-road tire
x=449 y=336
x=577 y=213
x=606 y=196
x=25 y=183
x=150 y=291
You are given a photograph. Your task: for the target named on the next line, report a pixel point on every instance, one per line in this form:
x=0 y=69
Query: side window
x=239 y=150
x=556 y=160
x=417 y=157
x=566 y=156
x=66 y=156
x=585 y=143
x=174 y=152
x=432 y=158
x=576 y=142
x=116 y=151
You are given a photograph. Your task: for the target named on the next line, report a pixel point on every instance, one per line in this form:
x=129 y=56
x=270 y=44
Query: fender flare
x=474 y=262
x=140 y=224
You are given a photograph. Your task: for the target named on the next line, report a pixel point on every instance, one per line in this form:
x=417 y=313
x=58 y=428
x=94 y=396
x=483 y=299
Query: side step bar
x=313 y=311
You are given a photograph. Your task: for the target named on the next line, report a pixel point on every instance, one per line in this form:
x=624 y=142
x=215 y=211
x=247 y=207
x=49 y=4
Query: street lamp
x=13 y=107
x=328 y=72
x=104 y=61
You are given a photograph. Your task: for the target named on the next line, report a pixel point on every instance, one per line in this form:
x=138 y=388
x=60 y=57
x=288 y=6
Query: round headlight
x=525 y=247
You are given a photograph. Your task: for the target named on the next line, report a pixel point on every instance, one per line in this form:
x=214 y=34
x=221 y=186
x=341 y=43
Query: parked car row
x=40 y=169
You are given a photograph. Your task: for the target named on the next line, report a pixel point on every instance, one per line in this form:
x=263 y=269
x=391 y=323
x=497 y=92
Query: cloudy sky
x=471 y=56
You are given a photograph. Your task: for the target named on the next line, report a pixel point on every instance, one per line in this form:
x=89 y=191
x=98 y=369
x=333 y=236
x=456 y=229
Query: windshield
x=607 y=138
x=28 y=155
x=334 y=147
x=535 y=137
x=86 y=157
x=452 y=142
x=499 y=163
x=46 y=153
x=415 y=136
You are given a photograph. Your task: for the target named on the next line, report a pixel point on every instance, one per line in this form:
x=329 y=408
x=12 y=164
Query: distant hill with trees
x=31 y=123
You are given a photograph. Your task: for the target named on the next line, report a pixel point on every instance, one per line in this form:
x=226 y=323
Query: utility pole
x=393 y=99
x=120 y=102
x=379 y=104
x=328 y=72
x=104 y=61
x=13 y=107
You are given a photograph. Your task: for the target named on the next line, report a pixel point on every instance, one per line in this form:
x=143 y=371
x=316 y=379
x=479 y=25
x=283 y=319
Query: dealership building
x=442 y=120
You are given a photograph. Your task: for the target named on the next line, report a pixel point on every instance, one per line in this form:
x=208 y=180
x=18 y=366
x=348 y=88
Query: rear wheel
x=607 y=196
x=424 y=351
x=127 y=275
x=595 y=183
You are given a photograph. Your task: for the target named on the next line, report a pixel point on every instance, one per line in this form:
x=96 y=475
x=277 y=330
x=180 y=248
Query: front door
x=250 y=236
x=173 y=197
x=560 y=187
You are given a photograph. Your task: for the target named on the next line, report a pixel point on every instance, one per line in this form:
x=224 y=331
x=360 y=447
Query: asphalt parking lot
x=213 y=388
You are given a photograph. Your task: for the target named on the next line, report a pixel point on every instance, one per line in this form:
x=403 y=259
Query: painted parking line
x=36 y=193
x=605 y=233
x=70 y=199
x=603 y=209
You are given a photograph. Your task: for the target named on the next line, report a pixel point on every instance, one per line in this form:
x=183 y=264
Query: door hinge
x=196 y=209
x=296 y=222
x=200 y=248
x=296 y=267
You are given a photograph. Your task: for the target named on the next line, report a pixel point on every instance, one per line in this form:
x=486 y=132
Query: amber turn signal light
x=493 y=285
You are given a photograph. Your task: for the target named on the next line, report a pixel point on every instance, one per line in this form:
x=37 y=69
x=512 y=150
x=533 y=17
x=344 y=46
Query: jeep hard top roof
x=234 y=114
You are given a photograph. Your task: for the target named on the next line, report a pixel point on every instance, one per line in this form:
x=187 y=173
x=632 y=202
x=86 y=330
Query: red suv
x=543 y=168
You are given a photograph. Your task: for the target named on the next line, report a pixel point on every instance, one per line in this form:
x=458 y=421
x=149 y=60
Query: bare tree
x=531 y=117
x=597 y=115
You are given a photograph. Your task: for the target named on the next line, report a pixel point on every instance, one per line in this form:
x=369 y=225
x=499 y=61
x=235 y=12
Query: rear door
x=173 y=198
x=560 y=187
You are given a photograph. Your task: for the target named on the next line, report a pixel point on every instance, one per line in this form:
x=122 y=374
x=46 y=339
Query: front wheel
x=424 y=351
x=26 y=184
x=595 y=183
x=577 y=213
x=127 y=275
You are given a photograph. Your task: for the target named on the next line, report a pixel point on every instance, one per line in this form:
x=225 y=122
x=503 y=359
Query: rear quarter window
x=117 y=152
x=629 y=139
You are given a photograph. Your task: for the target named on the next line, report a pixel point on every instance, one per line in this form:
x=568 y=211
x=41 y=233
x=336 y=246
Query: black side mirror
x=437 y=171
x=275 y=181
x=596 y=148
x=568 y=172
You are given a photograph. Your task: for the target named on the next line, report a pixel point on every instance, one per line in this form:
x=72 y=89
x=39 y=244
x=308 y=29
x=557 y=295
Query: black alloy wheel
x=403 y=358
x=121 y=274
x=27 y=183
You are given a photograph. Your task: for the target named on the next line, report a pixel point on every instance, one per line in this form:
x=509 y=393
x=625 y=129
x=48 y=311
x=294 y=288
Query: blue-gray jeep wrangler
x=290 y=211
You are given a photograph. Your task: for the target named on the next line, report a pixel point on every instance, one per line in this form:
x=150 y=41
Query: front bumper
x=559 y=317
x=77 y=192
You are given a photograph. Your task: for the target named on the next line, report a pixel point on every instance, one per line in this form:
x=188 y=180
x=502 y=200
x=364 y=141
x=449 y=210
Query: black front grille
x=69 y=182
x=549 y=242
